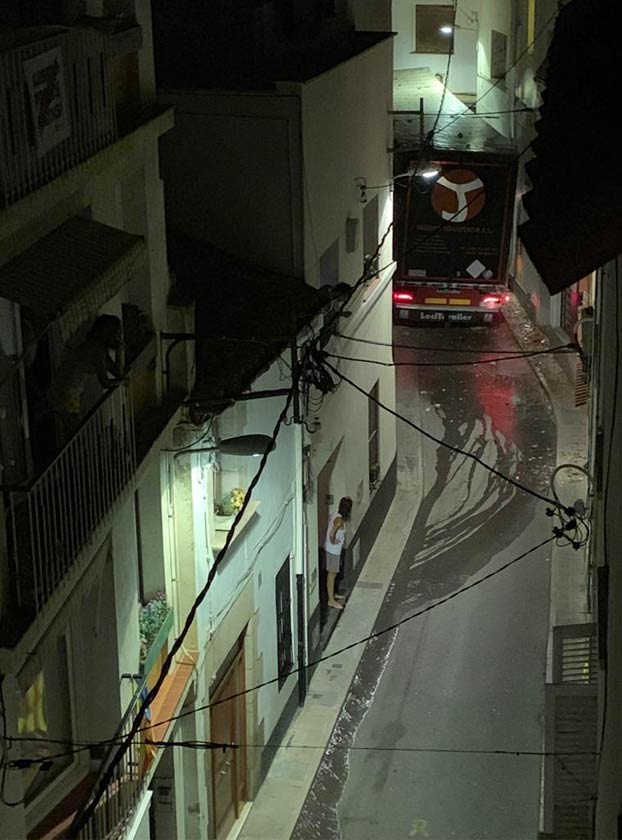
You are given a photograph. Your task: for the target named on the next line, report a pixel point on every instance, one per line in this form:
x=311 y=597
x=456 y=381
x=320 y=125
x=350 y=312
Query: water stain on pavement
x=467 y=516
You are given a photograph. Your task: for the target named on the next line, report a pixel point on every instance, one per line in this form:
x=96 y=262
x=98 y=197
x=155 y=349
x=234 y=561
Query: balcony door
x=228 y=726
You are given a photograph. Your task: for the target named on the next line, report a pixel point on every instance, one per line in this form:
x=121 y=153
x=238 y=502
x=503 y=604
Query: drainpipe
x=300 y=543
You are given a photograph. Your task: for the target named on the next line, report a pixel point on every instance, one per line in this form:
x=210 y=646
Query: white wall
x=346 y=132
x=462 y=71
x=265 y=543
x=492 y=94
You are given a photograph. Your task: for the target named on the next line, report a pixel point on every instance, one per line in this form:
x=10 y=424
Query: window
x=373 y=413
x=428 y=22
x=45 y=712
x=284 y=622
x=329 y=265
x=498 y=50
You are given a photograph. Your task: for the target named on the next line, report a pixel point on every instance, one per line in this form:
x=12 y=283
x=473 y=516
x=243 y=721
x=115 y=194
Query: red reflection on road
x=497 y=397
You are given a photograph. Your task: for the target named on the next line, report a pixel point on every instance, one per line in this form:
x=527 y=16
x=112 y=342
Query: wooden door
x=228 y=726
x=324 y=504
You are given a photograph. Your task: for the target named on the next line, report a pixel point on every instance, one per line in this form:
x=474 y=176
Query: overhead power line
x=344 y=649
x=561 y=348
x=506 y=358
x=442 y=442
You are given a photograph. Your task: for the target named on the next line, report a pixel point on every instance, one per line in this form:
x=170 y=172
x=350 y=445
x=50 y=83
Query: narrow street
x=413 y=750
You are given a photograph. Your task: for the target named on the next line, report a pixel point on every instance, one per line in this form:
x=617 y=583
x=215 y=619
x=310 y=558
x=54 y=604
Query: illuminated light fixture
x=404 y=297
x=491 y=301
x=472 y=18
x=428 y=170
x=244 y=445
x=507 y=297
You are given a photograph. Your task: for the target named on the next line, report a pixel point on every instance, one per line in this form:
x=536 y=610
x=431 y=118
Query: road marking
x=419 y=829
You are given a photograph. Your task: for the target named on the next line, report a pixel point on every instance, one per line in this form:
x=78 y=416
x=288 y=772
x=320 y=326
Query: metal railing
x=53 y=518
x=129 y=779
x=74 y=102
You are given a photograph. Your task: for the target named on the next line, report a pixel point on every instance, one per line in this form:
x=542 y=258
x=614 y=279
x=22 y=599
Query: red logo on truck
x=458 y=196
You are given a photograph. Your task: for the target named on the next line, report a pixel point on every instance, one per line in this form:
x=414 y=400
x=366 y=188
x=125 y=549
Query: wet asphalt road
x=405 y=759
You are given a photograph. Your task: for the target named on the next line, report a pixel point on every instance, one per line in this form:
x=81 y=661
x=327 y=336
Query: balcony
x=55 y=517
x=52 y=519
x=56 y=105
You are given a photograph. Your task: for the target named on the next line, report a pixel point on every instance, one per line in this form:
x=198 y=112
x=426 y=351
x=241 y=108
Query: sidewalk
x=568 y=597
x=279 y=801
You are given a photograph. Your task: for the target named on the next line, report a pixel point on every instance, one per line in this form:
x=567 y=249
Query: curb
x=567 y=588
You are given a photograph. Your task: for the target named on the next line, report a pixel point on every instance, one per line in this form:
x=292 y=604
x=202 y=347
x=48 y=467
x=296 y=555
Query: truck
x=452 y=232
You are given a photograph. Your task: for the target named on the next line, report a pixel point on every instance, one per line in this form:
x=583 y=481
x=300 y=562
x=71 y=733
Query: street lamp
x=245 y=445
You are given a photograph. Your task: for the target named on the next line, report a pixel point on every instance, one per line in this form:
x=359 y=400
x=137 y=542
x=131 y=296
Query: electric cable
x=443 y=443
x=20 y=764
x=83 y=815
x=560 y=348
x=312 y=664
x=526 y=355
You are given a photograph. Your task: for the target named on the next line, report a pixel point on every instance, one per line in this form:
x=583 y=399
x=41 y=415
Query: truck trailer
x=453 y=222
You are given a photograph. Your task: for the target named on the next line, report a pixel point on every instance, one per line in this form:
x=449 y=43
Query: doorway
x=325 y=501
x=228 y=726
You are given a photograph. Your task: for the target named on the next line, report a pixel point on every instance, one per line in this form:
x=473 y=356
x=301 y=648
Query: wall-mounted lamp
x=245 y=445
x=472 y=18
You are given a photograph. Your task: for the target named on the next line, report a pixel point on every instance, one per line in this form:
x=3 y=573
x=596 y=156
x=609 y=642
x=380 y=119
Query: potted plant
x=228 y=507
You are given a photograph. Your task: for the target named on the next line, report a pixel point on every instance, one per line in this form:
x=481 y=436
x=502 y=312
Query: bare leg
x=330 y=588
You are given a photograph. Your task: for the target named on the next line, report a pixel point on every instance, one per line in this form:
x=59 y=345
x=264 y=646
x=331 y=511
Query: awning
x=574 y=213
x=67 y=276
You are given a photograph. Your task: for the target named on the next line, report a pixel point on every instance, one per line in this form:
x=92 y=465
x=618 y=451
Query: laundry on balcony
x=66 y=277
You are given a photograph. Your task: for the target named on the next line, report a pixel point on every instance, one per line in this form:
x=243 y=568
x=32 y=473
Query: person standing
x=333 y=548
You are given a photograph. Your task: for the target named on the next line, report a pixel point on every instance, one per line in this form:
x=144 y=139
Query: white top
x=340 y=537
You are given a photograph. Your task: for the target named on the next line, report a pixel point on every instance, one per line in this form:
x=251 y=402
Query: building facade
x=88 y=593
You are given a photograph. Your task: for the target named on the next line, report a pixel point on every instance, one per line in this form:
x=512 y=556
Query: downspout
x=300 y=552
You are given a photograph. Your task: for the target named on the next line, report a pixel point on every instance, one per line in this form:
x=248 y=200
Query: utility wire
x=441 y=442
x=374 y=635
x=561 y=348
x=526 y=355
x=83 y=816
x=212 y=745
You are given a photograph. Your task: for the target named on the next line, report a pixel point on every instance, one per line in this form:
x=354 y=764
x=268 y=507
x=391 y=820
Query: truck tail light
x=491 y=301
x=507 y=297
x=403 y=297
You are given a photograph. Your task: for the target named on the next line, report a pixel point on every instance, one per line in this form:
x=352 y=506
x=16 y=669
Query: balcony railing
x=56 y=105
x=52 y=519
x=114 y=810
x=129 y=778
